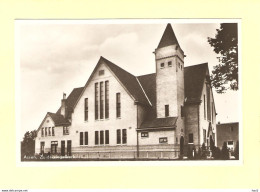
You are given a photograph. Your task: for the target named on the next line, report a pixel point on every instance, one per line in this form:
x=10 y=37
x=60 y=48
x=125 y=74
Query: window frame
x=144 y=134
x=167 y=110
x=190 y=137
x=86 y=109
x=163 y=140
x=162 y=65
x=118 y=105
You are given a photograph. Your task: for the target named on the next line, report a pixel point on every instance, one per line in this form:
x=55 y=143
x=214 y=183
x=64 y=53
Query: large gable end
x=127 y=80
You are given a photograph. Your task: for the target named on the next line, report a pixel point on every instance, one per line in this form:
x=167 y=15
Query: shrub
x=224 y=152
x=216 y=153
x=236 y=152
x=203 y=151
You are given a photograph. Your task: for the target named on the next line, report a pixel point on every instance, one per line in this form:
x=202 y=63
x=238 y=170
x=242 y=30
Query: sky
x=55 y=58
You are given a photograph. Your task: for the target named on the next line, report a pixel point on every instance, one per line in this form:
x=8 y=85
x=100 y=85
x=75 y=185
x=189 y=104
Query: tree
x=236 y=153
x=28 y=143
x=225 y=152
x=225 y=74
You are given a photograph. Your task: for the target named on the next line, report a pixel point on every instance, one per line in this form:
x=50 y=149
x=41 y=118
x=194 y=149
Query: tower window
x=190 y=138
x=169 y=64
x=182 y=111
x=162 y=65
x=166 y=110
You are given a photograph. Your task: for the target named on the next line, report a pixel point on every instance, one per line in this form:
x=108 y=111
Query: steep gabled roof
x=129 y=81
x=168 y=37
x=194 y=77
x=58 y=119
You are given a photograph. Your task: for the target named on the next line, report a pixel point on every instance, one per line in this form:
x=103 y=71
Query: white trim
x=143 y=91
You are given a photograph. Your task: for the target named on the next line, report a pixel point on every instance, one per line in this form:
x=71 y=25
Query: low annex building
x=119 y=115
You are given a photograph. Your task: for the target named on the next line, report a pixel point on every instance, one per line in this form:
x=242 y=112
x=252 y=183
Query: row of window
x=102 y=102
x=162 y=65
x=47 y=131
x=50 y=131
x=102 y=137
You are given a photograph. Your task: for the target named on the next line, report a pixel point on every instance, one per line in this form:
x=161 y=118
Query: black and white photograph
x=128 y=90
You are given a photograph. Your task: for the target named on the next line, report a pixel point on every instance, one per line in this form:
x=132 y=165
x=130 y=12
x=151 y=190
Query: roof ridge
x=206 y=63
x=143 y=91
x=117 y=66
x=145 y=74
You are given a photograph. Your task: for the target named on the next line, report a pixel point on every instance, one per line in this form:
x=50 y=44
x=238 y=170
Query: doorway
x=69 y=147
x=181 y=145
x=62 y=148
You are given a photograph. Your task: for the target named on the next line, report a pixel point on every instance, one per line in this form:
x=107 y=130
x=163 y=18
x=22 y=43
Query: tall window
x=96 y=138
x=42 y=132
x=118 y=105
x=182 y=111
x=124 y=136
x=101 y=137
x=49 y=131
x=101 y=100
x=190 y=138
x=53 y=133
x=118 y=136
x=81 y=138
x=166 y=110
x=86 y=109
x=96 y=100
x=204 y=136
x=86 y=138
x=46 y=134
x=204 y=101
x=107 y=99
x=65 y=130
x=107 y=137
x=208 y=103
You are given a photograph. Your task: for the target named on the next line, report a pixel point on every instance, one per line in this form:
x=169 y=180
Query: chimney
x=63 y=105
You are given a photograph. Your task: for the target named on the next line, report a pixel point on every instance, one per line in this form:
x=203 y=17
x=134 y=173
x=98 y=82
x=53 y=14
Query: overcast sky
x=55 y=58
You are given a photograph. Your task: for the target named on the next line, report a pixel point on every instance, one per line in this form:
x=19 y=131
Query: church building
x=119 y=115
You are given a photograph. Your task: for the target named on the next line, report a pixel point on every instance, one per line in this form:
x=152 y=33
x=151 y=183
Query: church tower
x=169 y=77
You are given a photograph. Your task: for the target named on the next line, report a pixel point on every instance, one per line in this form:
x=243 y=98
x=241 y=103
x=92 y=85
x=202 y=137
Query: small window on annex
x=163 y=140
x=144 y=134
x=169 y=64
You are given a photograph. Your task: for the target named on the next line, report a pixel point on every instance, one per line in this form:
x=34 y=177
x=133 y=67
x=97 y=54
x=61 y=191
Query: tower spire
x=168 y=37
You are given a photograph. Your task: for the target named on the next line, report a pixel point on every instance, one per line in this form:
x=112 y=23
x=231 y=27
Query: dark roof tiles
x=159 y=122
x=194 y=78
x=58 y=119
x=168 y=37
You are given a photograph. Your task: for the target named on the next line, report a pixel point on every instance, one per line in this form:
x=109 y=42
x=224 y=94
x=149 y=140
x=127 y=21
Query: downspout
x=199 y=124
x=137 y=144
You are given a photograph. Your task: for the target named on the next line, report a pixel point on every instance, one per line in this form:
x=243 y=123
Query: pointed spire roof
x=168 y=37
